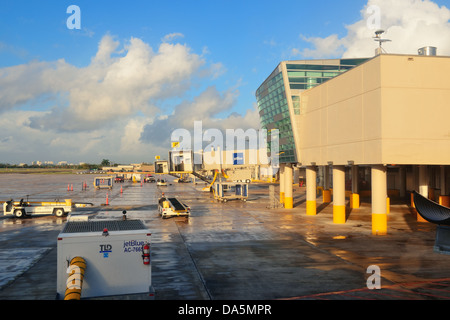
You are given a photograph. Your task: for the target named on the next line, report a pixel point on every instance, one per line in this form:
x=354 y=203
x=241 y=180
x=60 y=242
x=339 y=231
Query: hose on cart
x=76 y=271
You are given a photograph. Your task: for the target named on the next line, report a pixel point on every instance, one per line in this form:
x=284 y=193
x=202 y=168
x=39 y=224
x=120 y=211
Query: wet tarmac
x=230 y=251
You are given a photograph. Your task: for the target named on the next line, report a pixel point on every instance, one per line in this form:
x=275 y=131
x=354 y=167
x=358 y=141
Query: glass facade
x=275 y=96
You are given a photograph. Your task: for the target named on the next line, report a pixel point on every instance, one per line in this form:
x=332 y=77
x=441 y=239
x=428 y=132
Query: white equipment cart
x=114 y=254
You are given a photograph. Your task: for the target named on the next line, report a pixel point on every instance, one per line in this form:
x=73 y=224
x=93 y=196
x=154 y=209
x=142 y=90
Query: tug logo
x=105 y=249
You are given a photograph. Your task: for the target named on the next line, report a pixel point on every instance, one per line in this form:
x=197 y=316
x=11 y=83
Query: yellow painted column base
x=379 y=224
x=311 y=208
x=288 y=203
x=326 y=196
x=444 y=201
x=339 y=214
x=281 y=197
x=354 y=201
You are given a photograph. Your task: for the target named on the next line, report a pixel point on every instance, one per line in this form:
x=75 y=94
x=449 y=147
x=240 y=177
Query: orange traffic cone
x=68 y=187
x=121 y=191
x=107 y=201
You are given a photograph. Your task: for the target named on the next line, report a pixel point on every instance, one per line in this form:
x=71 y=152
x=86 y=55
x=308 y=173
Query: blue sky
x=248 y=37
x=49 y=75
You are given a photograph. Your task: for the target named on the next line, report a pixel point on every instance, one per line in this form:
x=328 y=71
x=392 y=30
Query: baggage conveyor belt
x=176 y=204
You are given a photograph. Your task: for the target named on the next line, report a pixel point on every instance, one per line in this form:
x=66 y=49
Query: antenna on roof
x=380 y=40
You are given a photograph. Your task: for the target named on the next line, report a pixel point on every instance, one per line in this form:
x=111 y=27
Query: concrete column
x=379 y=200
x=311 y=186
x=354 y=198
x=339 y=194
x=326 y=185
x=288 y=182
x=416 y=177
x=402 y=177
x=423 y=186
x=282 y=183
x=296 y=175
x=320 y=181
x=431 y=182
x=444 y=199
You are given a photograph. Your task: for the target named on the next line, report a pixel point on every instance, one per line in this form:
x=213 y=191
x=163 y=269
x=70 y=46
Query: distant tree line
x=83 y=166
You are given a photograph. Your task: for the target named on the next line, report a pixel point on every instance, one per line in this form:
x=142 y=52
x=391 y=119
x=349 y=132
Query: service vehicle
x=172 y=207
x=161 y=182
x=22 y=209
x=103 y=183
x=119 y=179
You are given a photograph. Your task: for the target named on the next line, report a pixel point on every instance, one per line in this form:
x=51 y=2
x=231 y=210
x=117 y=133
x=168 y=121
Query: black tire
x=19 y=214
x=59 y=212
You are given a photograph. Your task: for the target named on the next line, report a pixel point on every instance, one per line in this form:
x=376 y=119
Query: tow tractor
x=21 y=209
x=170 y=207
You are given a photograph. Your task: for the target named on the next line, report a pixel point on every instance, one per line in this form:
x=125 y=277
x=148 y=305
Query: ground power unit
x=116 y=256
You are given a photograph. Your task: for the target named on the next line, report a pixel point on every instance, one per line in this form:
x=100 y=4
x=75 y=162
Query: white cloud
x=206 y=107
x=172 y=36
x=113 y=87
x=410 y=24
x=113 y=107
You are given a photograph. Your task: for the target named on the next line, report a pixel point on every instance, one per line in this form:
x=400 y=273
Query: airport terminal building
x=374 y=127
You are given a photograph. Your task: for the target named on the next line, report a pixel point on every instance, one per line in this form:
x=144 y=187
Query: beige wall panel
x=416 y=151
x=372 y=152
x=342 y=154
x=344 y=121
x=344 y=86
x=424 y=112
x=371 y=75
x=415 y=71
x=371 y=117
x=311 y=130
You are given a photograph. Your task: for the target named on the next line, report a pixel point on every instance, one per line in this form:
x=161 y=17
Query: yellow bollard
x=354 y=201
x=326 y=196
x=444 y=201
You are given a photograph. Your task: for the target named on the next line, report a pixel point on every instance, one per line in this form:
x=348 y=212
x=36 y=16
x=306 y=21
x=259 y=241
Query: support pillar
x=423 y=181
x=326 y=185
x=415 y=178
x=423 y=186
x=444 y=198
x=288 y=183
x=402 y=177
x=296 y=175
x=339 y=216
x=282 y=183
x=379 y=200
x=354 y=198
x=311 y=186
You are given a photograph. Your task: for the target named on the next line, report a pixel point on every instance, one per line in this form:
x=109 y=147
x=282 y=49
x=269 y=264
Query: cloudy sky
x=135 y=71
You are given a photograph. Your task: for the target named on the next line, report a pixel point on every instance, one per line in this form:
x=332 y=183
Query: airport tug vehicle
x=172 y=207
x=21 y=209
